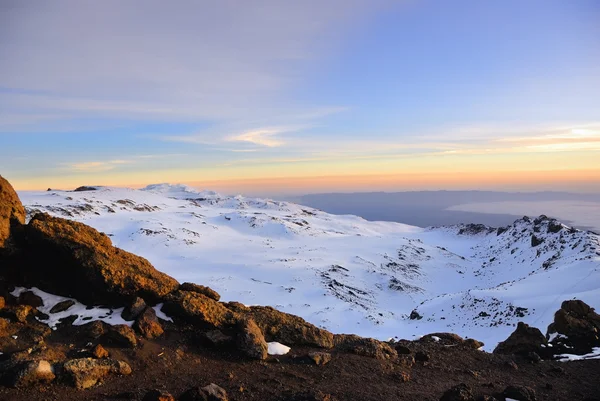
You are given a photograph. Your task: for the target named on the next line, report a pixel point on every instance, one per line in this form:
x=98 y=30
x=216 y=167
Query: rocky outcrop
x=577 y=326
x=27 y=373
x=523 y=340
x=80 y=254
x=86 y=372
x=461 y=392
x=12 y=215
x=134 y=309
x=289 y=329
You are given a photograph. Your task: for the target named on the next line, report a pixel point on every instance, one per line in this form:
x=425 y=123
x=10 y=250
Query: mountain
x=344 y=273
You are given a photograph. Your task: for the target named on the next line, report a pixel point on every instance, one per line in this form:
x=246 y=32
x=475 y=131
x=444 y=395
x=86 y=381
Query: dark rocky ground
x=218 y=351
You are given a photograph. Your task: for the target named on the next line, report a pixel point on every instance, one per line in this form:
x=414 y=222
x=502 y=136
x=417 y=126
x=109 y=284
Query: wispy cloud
x=96 y=166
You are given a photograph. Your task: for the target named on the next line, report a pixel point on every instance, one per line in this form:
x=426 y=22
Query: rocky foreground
x=213 y=350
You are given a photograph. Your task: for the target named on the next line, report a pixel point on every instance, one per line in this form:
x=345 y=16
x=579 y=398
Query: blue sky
x=132 y=92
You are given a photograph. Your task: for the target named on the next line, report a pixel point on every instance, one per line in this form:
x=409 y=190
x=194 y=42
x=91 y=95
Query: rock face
x=579 y=323
x=86 y=372
x=251 y=341
x=289 y=329
x=80 y=254
x=12 y=214
x=523 y=340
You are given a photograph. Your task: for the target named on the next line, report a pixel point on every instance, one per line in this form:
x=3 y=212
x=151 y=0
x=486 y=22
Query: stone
x=29 y=298
x=198 y=309
x=320 y=358
x=99 y=352
x=422 y=356
x=289 y=329
x=579 y=326
x=62 y=306
x=472 y=343
x=29 y=373
x=523 y=340
x=519 y=393
x=215 y=393
x=158 y=395
x=134 y=309
x=200 y=289
x=86 y=265
x=461 y=392
x=402 y=349
x=87 y=372
x=95 y=329
x=2 y=302
x=406 y=361
x=250 y=340
x=12 y=214
x=365 y=347
x=147 y=324
x=121 y=335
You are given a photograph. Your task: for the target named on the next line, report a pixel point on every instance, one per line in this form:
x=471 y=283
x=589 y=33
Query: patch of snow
x=595 y=354
x=84 y=315
x=435 y=338
x=160 y=314
x=276 y=348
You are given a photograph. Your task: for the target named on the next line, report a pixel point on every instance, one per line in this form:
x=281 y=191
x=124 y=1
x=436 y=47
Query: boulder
x=86 y=372
x=12 y=214
x=200 y=289
x=250 y=340
x=461 y=392
x=134 y=309
x=442 y=338
x=62 y=306
x=365 y=347
x=86 y=266
x=519 y=393
x=121 y=335
x=579 y=326
x=289 y=329
x=217 y=338
x=147 y=324
x=523 y=340
x=199 y=309
x=2 y=302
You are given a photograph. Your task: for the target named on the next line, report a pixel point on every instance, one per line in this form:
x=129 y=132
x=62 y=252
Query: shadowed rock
x=86 y=266
x=523 y=340
x=12 y=214
x=250 y=340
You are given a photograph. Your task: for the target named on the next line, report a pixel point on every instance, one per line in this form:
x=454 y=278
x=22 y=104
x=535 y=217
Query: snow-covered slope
x=344 y=273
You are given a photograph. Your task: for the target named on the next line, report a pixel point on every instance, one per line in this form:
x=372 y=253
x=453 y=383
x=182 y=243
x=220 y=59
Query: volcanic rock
x=86 y=372
x=86 y=266
x=199 y=309
x=365 y=347
x=147 y=324
x=461 y=392
x=12 y=214
x=62 y=306
x=523 y=340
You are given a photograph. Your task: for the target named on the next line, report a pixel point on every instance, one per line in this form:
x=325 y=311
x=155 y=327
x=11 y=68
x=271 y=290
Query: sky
x=275 y=97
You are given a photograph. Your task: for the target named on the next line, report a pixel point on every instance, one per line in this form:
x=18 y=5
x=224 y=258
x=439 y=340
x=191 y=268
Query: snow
x=110 y=316
x=595 y=354
x=160 y=314
x=343 y=273
x=276 y=348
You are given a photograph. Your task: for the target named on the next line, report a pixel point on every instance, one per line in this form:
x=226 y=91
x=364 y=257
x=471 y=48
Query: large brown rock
x=251 y=341
x=523 y=340
x=198 y=309
x=86 y=372
x=12 y=214
x=289 y=329
x=75 y=260
x=579 y=327
x=365 y=347
x=147 y=324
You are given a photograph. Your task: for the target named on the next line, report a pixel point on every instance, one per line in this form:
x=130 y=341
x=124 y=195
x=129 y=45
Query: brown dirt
x=177 y=361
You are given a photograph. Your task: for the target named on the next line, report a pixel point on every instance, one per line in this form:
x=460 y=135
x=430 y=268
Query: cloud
x=152 y=60
x=97 y=166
